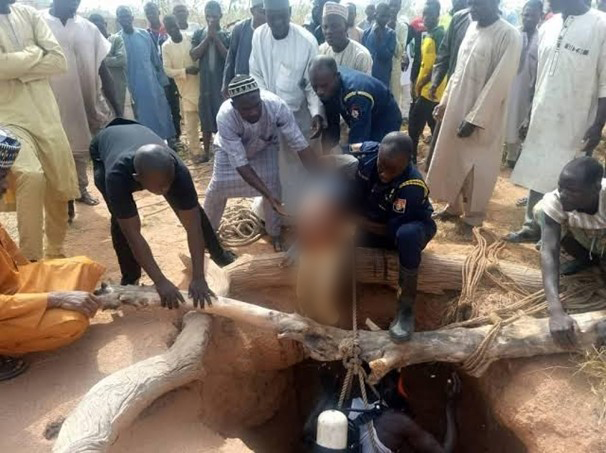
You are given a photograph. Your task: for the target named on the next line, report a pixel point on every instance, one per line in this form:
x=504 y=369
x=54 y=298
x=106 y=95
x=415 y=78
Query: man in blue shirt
x=381 y=40
x=366 y=105
x=393 y=211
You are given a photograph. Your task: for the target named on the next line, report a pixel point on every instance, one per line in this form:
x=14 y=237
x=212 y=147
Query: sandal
x=11 y=367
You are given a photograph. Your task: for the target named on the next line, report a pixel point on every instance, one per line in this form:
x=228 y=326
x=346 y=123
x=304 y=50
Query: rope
x=239 y=227
x=483 y=262
x=351 y=356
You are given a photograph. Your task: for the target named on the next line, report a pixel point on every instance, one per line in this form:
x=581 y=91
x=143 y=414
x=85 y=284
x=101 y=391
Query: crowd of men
x=266 y=99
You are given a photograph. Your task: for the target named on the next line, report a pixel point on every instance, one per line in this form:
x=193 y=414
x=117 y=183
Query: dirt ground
x=56 y=381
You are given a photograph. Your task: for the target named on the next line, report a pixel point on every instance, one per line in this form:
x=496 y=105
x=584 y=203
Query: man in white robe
x=467 y=156
x=520 y=99
x=83 y=108
x=44 y=172
x=569 y=106
x=281 y=52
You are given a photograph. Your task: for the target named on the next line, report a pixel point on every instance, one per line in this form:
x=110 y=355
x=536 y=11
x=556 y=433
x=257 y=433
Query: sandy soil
x=57 y=380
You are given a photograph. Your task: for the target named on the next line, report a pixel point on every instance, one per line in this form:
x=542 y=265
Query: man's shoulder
x=359 y=48
x=24 y=9
x=305 y=35
x=273 y=99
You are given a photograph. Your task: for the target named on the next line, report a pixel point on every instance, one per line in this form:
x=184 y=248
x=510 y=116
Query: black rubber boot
x=403 y=325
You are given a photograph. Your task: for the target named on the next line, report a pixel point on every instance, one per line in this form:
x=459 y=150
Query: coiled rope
x=240 y=226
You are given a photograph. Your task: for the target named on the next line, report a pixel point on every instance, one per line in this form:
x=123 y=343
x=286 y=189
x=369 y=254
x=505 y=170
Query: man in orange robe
x=43 y=305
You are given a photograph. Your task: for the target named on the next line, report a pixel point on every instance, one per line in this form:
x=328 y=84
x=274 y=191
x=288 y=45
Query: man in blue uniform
x=366 y=105
x=393 y=211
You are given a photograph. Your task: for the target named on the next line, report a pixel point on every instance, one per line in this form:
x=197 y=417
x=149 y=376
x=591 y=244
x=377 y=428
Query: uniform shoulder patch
x=399 y=205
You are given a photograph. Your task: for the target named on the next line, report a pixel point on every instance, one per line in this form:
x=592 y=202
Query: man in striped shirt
x=572 y=217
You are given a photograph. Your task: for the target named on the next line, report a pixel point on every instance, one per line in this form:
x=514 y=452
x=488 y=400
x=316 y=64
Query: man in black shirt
x=128 y=157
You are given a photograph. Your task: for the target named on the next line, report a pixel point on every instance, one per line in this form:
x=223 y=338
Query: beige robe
x=354 y=56
x=176 y=59
x=477 y=92
x=28 y=57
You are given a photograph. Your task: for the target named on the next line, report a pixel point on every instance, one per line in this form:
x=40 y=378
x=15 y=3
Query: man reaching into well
x=573 y=217
x=128 y=157
x=43 y=305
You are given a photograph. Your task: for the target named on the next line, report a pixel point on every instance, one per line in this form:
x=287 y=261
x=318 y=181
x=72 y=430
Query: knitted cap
x=9 y=148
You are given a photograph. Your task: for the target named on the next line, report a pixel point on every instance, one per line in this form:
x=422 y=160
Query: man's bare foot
x=87 y=199
x=11 y=367
x=71 y=212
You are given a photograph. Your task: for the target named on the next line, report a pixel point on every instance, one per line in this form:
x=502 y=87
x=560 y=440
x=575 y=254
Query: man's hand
x=192 y=70
x=200 y=293
x=438 y=112
x=592 y=139
x=170 y=296
x=432 y=91
x=278 y=206
x=466 y=129
x=80 y=301
x=563 y=330
x=405 y=62
x=318 y=124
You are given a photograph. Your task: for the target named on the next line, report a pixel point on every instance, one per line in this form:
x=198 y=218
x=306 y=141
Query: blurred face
x=278 y=21
x=531 y=18
x=213 y=17
x=395 y=6
x=430 y=18
x=458 y=5
x=125 y=18
x=316 y=12
x=3 y=180
x=324 y=83
x=258 y=14
x=335 y=31
x=482 y=10
x=557 y=5
x=157 y=182
x=388 y=167
x=173 y=30
x=370 y=12
x=181 y=13
x=249 y=106
x=351 y=18
x=575 y=195
x=152 y=13
x=66 y=8
x=101 y=24
x=383 y=15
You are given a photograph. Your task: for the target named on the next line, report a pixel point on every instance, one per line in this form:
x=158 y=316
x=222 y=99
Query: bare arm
x=109 y=91
x=117 y=56
x=198 y=51
x=250 y=176
x=594 y=133
x=220 y=46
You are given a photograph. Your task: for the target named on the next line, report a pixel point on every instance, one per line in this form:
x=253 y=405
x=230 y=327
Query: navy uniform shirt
x=403 y=200
x=366 y=105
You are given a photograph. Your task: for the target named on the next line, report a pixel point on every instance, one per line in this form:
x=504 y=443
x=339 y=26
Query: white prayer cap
x=332 y=8
x=254 y=3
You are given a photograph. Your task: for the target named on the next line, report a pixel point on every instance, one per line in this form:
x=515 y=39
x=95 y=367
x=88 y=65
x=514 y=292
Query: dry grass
x=593 y=365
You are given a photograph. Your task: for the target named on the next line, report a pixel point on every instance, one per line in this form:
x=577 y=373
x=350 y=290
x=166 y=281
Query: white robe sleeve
x=313 y=101
x=255 y=59
x=602 y=71
x=496 y=90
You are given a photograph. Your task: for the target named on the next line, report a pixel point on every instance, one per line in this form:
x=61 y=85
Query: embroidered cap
x=240 y=85
x=332 y=8
x=9 y=148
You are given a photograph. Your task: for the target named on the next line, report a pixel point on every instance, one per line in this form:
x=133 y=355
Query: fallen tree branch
x=523 y=338
x=438 y=273
x=115 y=401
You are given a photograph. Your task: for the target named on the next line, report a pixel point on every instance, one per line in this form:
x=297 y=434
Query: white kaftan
x=281 y=67
x=571 y=77
x=78 y=91
x=477 y=92
x=354 y=56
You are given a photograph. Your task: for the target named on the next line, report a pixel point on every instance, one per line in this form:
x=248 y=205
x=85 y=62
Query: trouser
x=39 y=208
x=462 y=206
x=129 y=267
x=172 y=96
x=512 y=151
x=192 y=130
x=410 y=240
x=218 y=193
x=421 y=115
x=530 y=221
x=56 y=328
x=81 y=160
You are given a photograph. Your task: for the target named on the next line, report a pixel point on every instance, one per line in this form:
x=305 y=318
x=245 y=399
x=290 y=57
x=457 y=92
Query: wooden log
x=438 y=273
x=115 y=401
x=525 y=337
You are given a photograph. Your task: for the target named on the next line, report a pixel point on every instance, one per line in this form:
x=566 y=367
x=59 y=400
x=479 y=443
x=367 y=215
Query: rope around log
x=484 y=261
x=239 y=227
